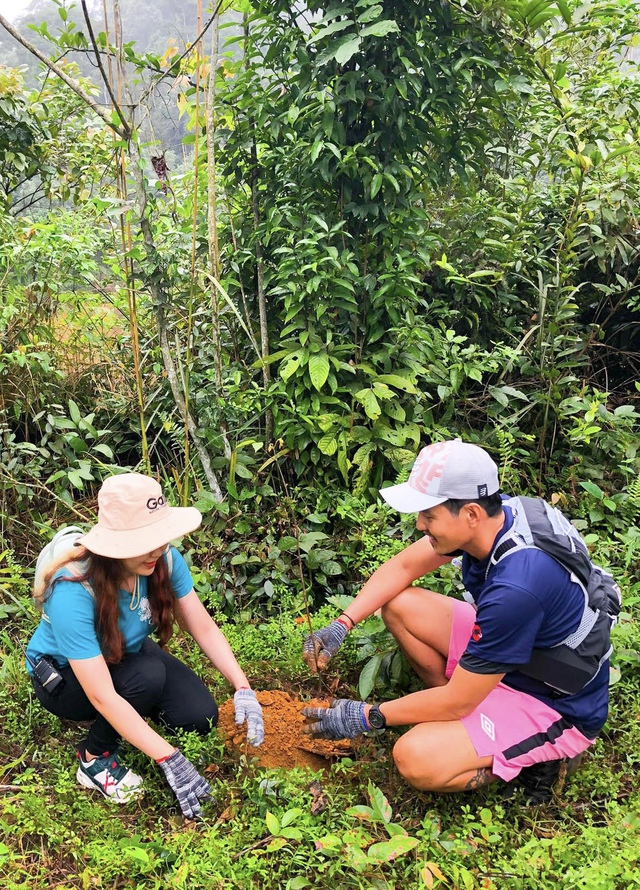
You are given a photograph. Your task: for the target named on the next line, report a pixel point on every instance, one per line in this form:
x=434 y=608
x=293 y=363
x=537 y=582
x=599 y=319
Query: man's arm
x=462 y=695
x=394 y=576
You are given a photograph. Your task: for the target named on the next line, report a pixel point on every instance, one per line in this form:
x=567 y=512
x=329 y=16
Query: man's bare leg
x=420 y=620
x=441 y=757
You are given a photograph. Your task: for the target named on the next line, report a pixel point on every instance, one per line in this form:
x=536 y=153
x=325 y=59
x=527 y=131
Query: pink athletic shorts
x=516 y=729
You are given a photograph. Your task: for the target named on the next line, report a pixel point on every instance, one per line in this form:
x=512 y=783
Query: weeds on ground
x=266 y=828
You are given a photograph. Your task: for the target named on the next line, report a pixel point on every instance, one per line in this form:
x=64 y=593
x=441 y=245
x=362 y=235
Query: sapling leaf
x=276 y=844
x=380 y=804
x=272 y=824
x=290 y=816
x=368 y=676
x=365 y=814
x=387 y=851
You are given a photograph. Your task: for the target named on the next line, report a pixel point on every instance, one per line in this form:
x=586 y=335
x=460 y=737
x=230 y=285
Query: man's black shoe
x=538 y=782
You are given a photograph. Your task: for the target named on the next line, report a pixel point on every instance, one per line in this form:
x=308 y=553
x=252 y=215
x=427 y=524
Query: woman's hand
x=247 y=707
x=186 y=782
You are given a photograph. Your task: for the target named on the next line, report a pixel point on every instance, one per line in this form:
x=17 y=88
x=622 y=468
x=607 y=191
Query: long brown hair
x=104 y=574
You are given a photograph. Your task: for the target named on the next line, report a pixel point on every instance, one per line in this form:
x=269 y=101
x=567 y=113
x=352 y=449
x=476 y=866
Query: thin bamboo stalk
x=212 y=220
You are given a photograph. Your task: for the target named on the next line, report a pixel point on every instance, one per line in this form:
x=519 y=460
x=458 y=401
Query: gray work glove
x=319 y=647
x=343 y=720
x=247 y=707
x=186 y=782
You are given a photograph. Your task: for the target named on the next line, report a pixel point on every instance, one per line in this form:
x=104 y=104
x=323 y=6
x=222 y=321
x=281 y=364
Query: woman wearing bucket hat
x=101 y=600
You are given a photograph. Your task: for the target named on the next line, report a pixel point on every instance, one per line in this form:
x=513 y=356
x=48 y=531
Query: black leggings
x=155 y=683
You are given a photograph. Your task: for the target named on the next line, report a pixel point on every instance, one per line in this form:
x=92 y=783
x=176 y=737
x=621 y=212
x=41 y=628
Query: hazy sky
x=11 y=8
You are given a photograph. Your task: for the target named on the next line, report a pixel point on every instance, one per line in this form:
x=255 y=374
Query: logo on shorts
x=476 y=633
x=488 y=727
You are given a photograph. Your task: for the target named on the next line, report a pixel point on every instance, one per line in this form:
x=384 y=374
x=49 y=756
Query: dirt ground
x=284 y=743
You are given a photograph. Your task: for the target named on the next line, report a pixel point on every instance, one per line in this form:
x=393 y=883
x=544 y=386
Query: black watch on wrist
x=376 y=718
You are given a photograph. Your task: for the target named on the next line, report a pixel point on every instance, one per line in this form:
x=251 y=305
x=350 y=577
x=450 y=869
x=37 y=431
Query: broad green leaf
x=104 y=449
x=328 y=842
x=316 y=148
x=387 y=434
x=331 y=29
x=379 y=802
x=347 y=50
x=299 y=883
x=399 y=382
x=380 y=29
x=370 y=403
x=382 y=391
x=370 y=14
x=515 y=393
x=365 y=814
x=319 y=369
x=290 y=816
x=75 y=479
x=376 y=183
x=74 y=411
x=394 y=829
x=273 y=825
x=368 y=676
x=328 y=444
x=342 y=459
x=290 y=365
x=276 y=844
x=499 y=396
x=593 y=489
x=309 y=540
x=389 y=850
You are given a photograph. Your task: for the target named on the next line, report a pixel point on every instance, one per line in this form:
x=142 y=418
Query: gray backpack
x=572 y=664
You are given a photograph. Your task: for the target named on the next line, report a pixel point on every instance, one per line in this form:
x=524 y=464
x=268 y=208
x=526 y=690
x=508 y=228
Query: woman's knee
x=140 y=677
x=206 y=717
x=199 y=716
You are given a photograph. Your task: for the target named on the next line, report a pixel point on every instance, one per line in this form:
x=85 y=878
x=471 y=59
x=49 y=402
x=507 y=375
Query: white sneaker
x=110 y=777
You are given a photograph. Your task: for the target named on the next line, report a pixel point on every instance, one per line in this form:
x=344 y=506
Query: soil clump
x=284 y=742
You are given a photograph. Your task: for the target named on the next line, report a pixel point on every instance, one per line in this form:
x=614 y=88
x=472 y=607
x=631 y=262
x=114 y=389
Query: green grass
x=263 y=834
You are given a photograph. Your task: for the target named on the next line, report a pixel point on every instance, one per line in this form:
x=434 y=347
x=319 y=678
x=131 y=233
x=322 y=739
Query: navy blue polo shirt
x=528 y=601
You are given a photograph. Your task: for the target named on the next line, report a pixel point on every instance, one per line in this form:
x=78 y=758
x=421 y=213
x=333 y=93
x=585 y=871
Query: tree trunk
x=262 y=300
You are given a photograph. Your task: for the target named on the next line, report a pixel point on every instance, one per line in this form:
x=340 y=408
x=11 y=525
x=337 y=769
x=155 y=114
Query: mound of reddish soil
x=284 y=743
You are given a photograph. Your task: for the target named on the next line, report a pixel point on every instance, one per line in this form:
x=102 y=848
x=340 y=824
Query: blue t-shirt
x=528 y=601
x=67 y=629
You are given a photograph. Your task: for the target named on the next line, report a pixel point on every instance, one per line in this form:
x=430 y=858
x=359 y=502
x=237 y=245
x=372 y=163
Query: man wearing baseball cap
x=482 y=715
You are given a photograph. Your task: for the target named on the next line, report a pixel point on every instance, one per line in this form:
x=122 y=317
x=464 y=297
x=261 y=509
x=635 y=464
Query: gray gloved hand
x=247 y=707
x=186 y=782
x=343 y=720
x=319 y=647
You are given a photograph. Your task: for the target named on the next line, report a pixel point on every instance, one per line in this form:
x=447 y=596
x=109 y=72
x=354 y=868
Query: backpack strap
x=74 y=572
x=528 y=513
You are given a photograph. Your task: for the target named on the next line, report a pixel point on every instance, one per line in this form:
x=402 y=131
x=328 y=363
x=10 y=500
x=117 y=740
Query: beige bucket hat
x=134 y=518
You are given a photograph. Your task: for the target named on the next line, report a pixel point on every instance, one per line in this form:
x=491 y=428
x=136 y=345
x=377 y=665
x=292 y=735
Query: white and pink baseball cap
x=134 y=518
x=445 y=470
